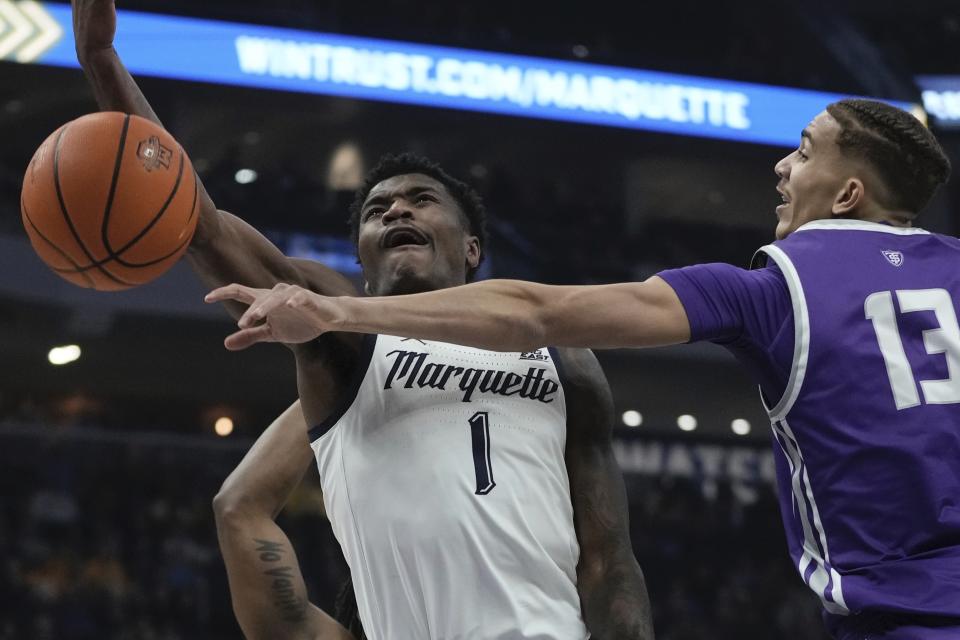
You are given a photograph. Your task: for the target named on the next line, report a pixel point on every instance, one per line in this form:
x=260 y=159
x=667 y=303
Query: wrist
x=346 y=320
x=90 y=55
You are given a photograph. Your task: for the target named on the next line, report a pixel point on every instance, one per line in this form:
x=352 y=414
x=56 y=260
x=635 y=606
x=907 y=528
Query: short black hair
x=906 y=156
x=391 y=165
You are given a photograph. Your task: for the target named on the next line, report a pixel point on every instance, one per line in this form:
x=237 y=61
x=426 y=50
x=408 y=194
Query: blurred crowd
x=114 y=539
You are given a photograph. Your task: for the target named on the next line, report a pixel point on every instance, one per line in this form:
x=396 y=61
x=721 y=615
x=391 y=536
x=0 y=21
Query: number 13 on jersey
x=944 y=339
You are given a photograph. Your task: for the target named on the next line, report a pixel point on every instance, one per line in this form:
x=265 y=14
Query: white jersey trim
x=824 y=579
x=861 y=225
x=368 y=345
x=801 y=331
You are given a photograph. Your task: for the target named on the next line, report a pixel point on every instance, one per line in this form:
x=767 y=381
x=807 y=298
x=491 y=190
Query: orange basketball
x=109 y=201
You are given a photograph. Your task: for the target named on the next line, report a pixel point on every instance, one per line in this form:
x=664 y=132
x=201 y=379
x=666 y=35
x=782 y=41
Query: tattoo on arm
x=599 y=507
x=283 y=579
x=613 y=593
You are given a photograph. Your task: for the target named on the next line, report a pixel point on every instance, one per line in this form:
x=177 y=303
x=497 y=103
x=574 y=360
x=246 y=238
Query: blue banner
x=370 y=69
x=941 y=99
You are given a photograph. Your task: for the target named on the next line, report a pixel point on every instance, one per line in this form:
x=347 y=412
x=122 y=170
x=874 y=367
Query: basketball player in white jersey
x=475 y=494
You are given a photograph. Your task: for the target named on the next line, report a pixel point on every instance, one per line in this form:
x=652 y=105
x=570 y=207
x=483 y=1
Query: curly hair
x=466 y=197
x=904 y=153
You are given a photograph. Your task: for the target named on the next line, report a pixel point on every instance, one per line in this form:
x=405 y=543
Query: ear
x=473 y=252
x=850 y=196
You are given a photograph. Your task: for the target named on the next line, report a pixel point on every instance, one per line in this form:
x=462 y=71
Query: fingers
x=299 y=300
x=262 y=304
x=237 y=292
x=248 y=337
x=281 y=294
x=261 y=309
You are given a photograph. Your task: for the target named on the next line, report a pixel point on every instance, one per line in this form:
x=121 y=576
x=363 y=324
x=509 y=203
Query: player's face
x=811 y=177
x=413 y=237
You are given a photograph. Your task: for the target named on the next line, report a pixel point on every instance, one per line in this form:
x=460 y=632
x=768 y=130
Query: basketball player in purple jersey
x=542 y=551
x=850 y=329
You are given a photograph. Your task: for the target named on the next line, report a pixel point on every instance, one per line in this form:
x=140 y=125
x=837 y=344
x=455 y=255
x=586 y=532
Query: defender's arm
x=613 y=594
x=266 y=586
x=504 y=315
x=513 y=315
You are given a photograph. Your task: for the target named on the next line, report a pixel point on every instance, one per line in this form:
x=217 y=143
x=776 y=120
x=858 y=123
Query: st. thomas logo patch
x=893 y=257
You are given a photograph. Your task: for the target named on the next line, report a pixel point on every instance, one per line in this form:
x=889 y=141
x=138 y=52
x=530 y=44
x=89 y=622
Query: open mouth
x=405 y=236
x=784 y=201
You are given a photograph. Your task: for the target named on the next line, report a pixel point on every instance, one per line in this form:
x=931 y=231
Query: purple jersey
x=867 y=424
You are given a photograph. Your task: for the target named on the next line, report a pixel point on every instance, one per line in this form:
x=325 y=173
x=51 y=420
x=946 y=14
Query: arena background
x=108 y=464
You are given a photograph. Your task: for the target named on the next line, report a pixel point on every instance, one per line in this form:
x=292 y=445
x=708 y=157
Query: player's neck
x=409 y=286
x=887 y=216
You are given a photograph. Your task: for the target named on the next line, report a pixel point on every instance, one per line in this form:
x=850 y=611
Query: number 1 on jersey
x=480 y=436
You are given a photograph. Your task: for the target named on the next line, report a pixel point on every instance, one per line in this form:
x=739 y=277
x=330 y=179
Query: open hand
x=94 y=26
x=286 y=313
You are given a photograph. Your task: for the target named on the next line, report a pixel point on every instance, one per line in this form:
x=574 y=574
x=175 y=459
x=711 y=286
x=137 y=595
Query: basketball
x=109 y=201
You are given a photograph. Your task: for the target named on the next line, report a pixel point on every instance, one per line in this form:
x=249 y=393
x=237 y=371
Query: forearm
x=224 y=249
x=113 y=86
x=615 y=603
x=115 y=90
x=266 y=586
x=512 y=315
x=495 y=314
x=236 y=252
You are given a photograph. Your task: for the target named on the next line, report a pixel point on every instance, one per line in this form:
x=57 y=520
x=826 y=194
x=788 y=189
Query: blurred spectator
x=115 y=541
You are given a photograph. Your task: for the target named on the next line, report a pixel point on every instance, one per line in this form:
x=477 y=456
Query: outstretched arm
x=613 y=593
x=512 y=315
x=266 y=587
x=503 y=315
x=224 y=248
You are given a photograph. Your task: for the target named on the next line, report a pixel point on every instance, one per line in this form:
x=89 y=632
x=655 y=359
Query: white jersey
x=444 y=479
